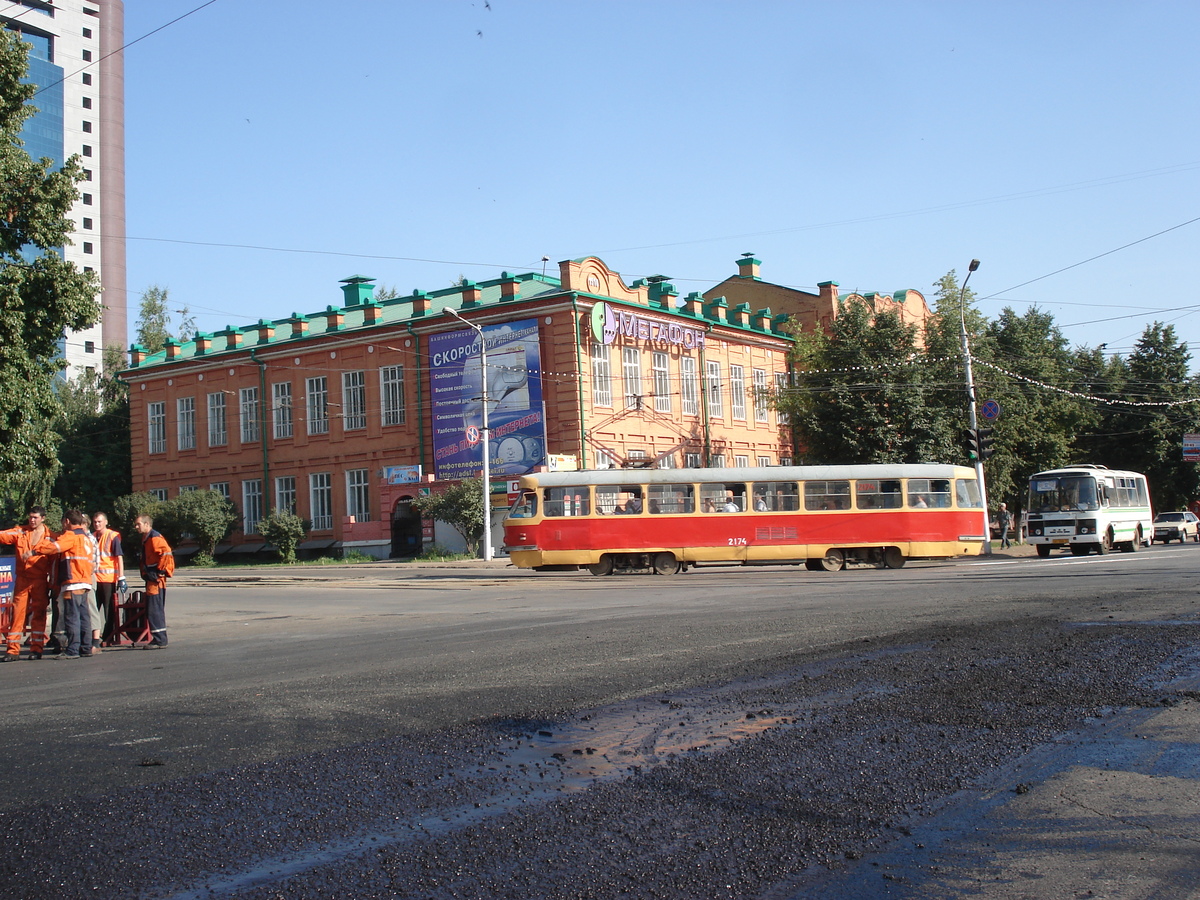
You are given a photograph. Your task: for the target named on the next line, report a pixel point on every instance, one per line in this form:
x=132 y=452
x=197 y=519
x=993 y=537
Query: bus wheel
x=603 y=567
x=1106 y=543
x=832 y=561
x=893 y=558
x=1134 y=545
x=665 y=564
x=1043 y=550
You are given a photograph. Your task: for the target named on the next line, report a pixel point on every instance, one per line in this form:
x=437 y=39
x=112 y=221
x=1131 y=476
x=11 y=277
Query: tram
x=665 y=520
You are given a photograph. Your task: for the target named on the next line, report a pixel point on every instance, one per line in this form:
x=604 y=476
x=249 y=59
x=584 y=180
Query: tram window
x=618 y=500
x=671 y=498
x=776 y=496
x=928 y=492
x=525 y=506
x=827 y=495
x=566 y=501
x=966 y=492
x=878 y=494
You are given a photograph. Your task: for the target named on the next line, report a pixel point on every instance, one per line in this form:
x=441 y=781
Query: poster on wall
x=514 y=394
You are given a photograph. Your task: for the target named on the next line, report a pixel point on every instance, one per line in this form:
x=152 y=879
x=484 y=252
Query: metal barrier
x=130 y=624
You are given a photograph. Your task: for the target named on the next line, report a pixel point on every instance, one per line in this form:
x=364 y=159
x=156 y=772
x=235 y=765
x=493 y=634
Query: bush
x=285 y=530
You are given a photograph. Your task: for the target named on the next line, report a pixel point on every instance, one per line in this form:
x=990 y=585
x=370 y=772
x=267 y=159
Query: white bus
x=1088 y=508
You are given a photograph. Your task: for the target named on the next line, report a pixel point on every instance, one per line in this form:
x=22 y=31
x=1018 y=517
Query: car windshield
x=1169 y=517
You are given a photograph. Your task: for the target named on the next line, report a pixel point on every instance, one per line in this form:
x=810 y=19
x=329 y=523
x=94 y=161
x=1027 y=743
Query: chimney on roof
x=358 y=289
x=510 y=286
x=748 y=266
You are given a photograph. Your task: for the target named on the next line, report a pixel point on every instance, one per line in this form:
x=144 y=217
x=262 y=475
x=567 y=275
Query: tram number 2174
x=737 y=542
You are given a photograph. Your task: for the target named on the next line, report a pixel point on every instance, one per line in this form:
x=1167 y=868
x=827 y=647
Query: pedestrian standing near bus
x=157 y=565
x=76 y=562
x=1004 y=519
x=110 y=578
x=31 y=597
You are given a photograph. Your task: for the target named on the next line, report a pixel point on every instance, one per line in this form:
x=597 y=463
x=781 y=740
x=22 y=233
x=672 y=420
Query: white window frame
x=605 y=460
x=320 y=500
x=661 y=367
x=601 y=376
x=354 y=400
x=218 y=435
x=252 y=505
x=358 y=494
x=689 y=386
x=718 y=461
x=741 y=462
x=692 y=461
x=248 y=401
x=781 y=383
x=760 y=395
x=185 y=422
x=764 y=461
x=156 y=426
x=716 y=402
x=316 y=404
x=737 y=392
x=285 y=493
x=281 y=409
x=631 y=375
x=391 y=395
x=221 y=487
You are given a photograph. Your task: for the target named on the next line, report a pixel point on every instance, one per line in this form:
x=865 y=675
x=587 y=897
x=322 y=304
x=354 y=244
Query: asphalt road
x=270 y=669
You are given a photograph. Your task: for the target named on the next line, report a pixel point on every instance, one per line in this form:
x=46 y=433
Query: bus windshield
x=1063 y=493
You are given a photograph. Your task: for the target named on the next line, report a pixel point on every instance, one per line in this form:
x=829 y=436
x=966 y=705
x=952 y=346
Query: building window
x=781 y=380
x=87 y=55
x=631 y=369
x=186 y=489
x=221 y=487
x=317 y=405
x=87 y=223
x=252 y=505
x=689 y=386
x=87 y=174
x=89 y=346
x=185 y=408
x=605 y=460
x=741 y=462
x=764 y=461
x=320 y=500
x=358 y=495
x=760 y=395
x=87 y=199
x=718 y=461
x=661 y=363
x=391 y=394
x=601 y=376
x=217 y=435
x=87 y=76
x=281 y=409
x=87 y=247
x=785 y=460
x=87 y=149
x=716 y=403
x=667 y=461
x=87 y=127
x=737 y=391
x=158 y=493
x=249 y=416
x=691 y=460
x=156 y=419
x=354 y=400
x=285 y=493
x=87 y=104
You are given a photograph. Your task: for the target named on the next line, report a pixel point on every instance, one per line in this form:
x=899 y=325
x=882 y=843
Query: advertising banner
x=8 y=569
x=514 y=395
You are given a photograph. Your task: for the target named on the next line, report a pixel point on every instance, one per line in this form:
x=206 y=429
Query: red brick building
x=345 y=414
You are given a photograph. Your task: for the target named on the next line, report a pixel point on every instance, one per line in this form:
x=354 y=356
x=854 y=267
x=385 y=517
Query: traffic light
x=984 y=441
x=971 y=439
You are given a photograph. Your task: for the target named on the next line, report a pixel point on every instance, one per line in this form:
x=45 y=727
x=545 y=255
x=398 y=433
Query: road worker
x=157 y=565
x=110 y=579
x=31 y=597
x=76 y=563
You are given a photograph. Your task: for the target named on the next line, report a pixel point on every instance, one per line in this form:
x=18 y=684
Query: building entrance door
x=406 y=529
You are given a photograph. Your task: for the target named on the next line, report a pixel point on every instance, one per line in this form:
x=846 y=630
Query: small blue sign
x=990 y=410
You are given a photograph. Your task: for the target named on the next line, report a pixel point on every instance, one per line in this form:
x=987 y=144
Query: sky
x=273 y=149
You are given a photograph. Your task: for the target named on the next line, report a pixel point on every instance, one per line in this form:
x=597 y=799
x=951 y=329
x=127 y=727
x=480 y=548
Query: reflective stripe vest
x=77 y=555
x=110 y=551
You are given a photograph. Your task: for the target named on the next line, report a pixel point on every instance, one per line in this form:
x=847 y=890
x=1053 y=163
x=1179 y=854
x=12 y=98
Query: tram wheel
x=603 y=567
x=893 y=558
x=665 y=564
x=833 y=561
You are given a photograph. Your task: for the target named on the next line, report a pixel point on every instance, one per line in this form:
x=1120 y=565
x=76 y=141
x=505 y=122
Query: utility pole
x=487 y=473
x=972 y=421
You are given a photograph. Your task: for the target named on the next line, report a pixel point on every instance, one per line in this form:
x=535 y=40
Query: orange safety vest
x=107 y=539
x=76 y=561
x=26 y=540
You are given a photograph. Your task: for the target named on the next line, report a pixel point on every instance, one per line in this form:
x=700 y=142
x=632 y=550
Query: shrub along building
x=342 y=416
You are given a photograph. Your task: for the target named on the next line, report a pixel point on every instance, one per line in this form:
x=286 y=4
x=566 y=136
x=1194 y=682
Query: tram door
x=406 y=529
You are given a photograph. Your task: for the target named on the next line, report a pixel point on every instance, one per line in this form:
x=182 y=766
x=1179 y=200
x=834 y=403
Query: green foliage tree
x=127 y=508
x=285 y=530
x=41 y=294
x=461 y=507
x=154 y=319
x=94 y=456
x=205 y=516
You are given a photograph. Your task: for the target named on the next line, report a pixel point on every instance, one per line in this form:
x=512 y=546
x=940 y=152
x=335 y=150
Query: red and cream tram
x=664 y=520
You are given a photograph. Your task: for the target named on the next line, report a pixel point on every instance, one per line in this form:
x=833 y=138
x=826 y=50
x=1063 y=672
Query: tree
x=460 y=506
x=93 y=424
x=154 y=319
x=285 y=530
x=41 y=294
x=206 y=516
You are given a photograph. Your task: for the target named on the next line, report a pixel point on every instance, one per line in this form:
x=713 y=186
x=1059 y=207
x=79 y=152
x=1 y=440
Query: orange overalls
x=158 y=564
x=35 y=557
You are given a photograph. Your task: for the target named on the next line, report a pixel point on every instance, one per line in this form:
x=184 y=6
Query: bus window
x=776 y=496
x=929 y=492
x=565 y=501
x=525 y=506
x=878 y=494
x=966 y=492
x=827 y=495
x=671 y=498
x=618 y=500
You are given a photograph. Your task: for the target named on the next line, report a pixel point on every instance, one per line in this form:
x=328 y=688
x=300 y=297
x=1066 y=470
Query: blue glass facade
x=43 y=133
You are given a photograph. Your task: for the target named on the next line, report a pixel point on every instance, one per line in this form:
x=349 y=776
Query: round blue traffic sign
x=990 y=410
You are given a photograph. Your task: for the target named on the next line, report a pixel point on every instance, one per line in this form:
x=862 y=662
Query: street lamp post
x=972 y=421
x=487 y=473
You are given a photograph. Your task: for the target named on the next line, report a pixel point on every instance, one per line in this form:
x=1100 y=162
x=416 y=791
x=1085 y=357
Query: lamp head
x=973 y=266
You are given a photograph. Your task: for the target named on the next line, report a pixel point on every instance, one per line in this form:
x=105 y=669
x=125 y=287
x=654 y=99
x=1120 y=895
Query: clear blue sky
x=876 y=144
